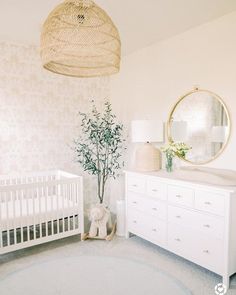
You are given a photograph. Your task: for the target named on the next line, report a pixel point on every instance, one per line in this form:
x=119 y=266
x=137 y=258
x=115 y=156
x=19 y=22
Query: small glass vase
x=169 y=163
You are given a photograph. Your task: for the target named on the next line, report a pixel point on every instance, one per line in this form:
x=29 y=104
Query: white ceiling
x=140 y=22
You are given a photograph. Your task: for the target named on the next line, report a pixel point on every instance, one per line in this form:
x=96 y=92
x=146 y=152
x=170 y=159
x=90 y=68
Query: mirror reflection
x=201 y=120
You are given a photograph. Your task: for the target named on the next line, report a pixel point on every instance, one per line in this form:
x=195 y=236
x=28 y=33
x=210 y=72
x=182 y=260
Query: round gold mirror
x=200 y=119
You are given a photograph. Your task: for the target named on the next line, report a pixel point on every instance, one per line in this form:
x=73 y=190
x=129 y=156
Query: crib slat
x=39 y=194
x=21 y=216
x=77 y=203
x=13 y=198
x=63 y=198
x=1 y=202
x=43 y=200
x=28 y=207
x=52 y=209
x=72 y=199
x=81 y=205
x=39 y=218
x=16 y=216
x=8 y=219
x=57 y=215
x=34 y=213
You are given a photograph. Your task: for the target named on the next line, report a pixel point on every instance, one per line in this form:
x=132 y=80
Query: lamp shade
x=146 y=131
x=218 y=133
x=79 y=39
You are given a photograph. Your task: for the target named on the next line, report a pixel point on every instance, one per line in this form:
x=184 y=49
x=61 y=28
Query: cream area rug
x=91 y=275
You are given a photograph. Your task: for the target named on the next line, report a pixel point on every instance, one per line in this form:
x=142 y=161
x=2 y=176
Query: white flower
x=176 y=149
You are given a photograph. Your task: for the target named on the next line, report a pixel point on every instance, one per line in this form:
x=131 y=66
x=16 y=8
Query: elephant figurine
x=99 y=216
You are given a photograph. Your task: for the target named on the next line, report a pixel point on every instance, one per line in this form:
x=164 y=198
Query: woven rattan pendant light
x=79 y=39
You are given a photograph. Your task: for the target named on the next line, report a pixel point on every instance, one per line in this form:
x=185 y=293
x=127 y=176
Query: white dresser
x=193 y=220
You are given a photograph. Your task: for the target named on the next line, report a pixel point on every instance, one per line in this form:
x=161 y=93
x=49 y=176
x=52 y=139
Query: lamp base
x=147 y=158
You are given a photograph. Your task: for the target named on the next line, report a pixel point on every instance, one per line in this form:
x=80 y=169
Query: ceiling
x=140 y=23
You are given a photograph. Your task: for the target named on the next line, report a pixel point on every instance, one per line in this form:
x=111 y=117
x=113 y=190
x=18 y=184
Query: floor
x=196 y=279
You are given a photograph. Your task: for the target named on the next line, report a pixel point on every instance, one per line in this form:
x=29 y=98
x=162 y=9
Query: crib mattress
x=40 y=207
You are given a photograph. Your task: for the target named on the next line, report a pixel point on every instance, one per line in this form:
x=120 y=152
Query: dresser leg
x=226 y=281
x=127 y=235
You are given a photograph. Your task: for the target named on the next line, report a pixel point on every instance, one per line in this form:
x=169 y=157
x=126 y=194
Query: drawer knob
x=134 y=202
x=178 y=196
x=154 y=209
x=134 y=185
x=154 y=190
x=206 y=225
x=178 y=216
x=207 y=203
x=177 y=240
x=206 y=251
x=134 y=221
x=154 y=229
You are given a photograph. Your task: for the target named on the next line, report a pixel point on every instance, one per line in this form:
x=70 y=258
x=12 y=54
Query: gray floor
x=196 y=279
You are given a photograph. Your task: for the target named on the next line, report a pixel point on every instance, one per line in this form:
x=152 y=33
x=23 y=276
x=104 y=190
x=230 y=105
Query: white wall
x=152 y=79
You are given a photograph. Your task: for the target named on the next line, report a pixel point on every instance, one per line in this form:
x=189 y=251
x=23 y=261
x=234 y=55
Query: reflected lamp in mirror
x=179 y=131
x=147 y=156
x=219 y=134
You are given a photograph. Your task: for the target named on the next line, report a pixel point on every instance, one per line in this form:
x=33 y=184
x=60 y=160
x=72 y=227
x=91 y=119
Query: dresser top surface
x=203 y=178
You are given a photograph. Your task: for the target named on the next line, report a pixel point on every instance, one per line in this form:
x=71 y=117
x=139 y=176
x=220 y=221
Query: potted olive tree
x=99 y=151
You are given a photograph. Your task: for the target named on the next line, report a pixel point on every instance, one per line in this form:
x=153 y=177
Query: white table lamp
x=147 y=157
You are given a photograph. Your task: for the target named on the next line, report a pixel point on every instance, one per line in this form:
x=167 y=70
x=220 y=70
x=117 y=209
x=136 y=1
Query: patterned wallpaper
x=38 y=111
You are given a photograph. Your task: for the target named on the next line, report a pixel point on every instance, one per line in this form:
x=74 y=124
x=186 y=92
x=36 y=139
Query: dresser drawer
x=136 y=202
x=156 y=208
x=199 y=248
x=210 y=225
x=135 y=222
x=156 y=189
x=210 y=202
x=136 y=184
x=148 y=227
x=148 y=206
x=181 y=195
x=179 y=241
x=155 y=230
x=209 y=254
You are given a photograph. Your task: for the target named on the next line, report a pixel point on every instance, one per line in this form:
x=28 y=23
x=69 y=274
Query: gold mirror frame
x=228 y=120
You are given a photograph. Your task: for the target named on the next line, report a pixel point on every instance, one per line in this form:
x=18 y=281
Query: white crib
x=39 y=207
